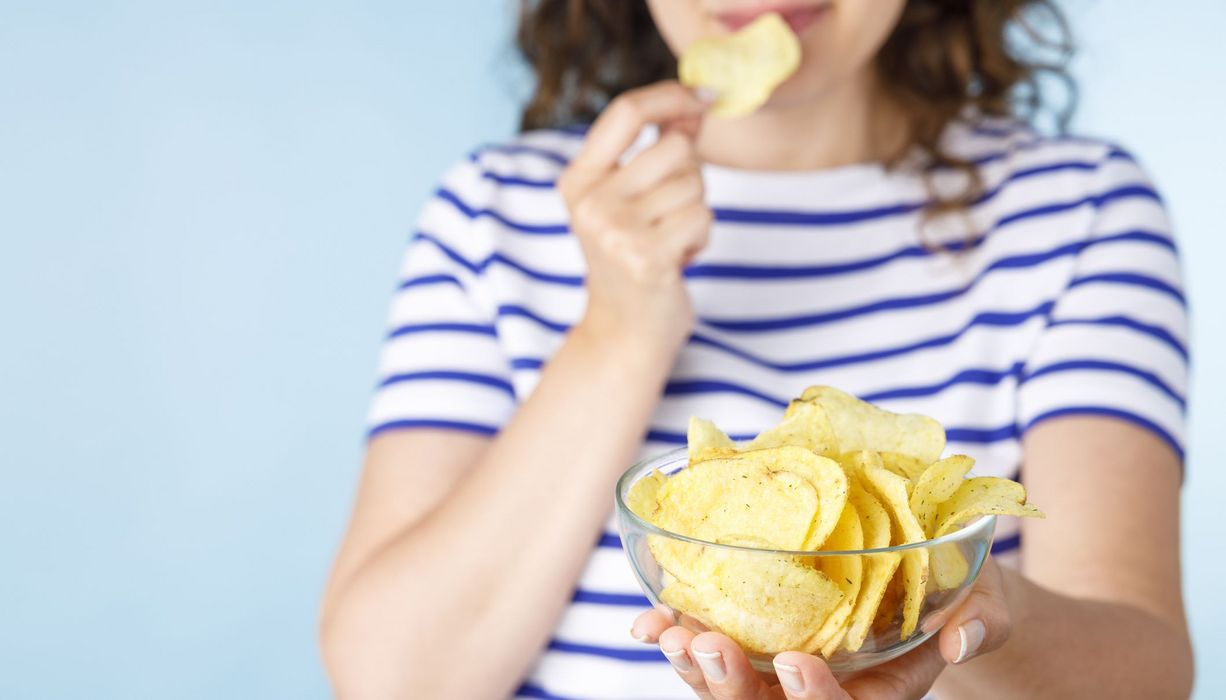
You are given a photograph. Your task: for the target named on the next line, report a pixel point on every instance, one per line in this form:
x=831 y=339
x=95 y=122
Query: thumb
x=982 y=623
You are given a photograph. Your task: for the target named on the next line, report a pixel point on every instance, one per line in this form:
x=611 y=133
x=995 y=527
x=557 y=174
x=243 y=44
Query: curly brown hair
x=944 y=58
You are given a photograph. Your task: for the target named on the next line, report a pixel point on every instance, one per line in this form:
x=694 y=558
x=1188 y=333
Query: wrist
x=627 y=353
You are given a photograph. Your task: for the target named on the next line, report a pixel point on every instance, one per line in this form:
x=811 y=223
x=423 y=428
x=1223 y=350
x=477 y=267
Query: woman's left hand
x=717 y=669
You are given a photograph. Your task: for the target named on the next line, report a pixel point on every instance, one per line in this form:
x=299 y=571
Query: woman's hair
x=945 y=58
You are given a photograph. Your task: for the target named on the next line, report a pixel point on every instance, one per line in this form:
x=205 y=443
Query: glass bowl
x=954 y=562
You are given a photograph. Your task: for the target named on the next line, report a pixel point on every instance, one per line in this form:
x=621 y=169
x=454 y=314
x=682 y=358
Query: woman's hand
x=716 y=668
x=639 y=223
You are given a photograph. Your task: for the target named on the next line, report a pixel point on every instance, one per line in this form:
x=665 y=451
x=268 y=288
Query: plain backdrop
x=202 y=205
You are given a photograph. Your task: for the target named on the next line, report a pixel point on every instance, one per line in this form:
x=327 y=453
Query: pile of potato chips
x=837 y=474
x=744 y=67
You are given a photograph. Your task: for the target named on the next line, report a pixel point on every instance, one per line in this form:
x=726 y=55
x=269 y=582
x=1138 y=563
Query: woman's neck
x=854 y=123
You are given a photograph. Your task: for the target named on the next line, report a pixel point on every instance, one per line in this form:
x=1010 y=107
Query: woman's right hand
x=640 y=223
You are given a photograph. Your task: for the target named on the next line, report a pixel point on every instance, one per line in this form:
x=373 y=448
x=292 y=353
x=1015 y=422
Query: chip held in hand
x=836 y=475
x=743 y=68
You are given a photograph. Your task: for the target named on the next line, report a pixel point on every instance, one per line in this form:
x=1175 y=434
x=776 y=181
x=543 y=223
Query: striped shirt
x=1062 y=296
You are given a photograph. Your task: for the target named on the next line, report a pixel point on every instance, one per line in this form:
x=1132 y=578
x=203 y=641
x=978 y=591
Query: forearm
x=1064 y=647
x=486 y=573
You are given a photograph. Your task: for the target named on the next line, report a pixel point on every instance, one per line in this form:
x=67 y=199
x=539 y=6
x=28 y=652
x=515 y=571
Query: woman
x=887 y=223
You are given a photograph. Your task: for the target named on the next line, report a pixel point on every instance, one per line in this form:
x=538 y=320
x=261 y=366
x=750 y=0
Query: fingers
x=670 y=195
x=648 y=626
x=909 y=676
x=806 y=677
x=686 y=230
x=619 y=125
x=673 y=153
x=725 y=668
x=982 y=622
x=675 y=644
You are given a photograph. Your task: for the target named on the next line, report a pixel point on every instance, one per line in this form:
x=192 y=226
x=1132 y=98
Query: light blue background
x=201 y=209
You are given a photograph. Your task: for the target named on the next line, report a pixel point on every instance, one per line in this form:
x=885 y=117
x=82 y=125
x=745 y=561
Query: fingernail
x=706 y=94
x=712 y=664
x=679 y=659
x=639 y=637
x=790 y=678
x=971 y=634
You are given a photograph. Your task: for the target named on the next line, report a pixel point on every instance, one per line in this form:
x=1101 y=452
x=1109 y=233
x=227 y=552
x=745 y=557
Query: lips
x=798 y=17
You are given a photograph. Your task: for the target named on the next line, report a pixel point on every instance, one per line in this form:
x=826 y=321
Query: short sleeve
x=1116 y=339
x=441 y=364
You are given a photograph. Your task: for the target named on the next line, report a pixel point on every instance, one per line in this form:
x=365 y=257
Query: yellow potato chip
x=847 y=573
x=947 y=567
x=641 y=499
x=705 y=441
x=824 y=474
x=734 y=497
x=859 y=425
x=936 y=485
x=768 y=604
x=744 y=67
x=803 y=425
x=878 y=568
x=904 y=466
x=983 y=495
x=891 y=489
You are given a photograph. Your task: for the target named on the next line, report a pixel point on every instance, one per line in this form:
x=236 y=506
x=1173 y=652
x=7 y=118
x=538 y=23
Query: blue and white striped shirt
x=1063 y=296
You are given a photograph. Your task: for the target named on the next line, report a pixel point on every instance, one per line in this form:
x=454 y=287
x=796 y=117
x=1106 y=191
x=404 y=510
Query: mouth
x=798 y=17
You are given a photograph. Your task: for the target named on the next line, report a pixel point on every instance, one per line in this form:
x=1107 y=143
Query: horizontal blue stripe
x=982 y=436
x=1158 y=333
x=452 y=375
x=1133 y=279
x=427 y=280
x=473 y=328
x=834 y=218
x=1105 y=366
x=528 y=690
x=480 y=266
x=517 y=311
x=982 y=376
x=625 y=600
x=985 y=318
x=475 y=212
x=527 y=363
x=1007 y=544
x=1110 y=412
x=413 y=423
x=645 y=655
x=686 y=387
x=517 y=150
x=512 y=181
x=609 y=540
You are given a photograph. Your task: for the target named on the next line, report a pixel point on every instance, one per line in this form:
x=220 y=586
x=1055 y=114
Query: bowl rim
x=972 y=530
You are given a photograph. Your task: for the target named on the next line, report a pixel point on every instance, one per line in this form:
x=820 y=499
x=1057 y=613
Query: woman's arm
x=1097 y=610
x=456 y=565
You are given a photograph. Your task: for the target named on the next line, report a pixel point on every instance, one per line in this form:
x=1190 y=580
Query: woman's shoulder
x=507 y=189
x=529 y=159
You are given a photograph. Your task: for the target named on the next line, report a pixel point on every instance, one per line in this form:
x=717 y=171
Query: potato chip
x=767 y=603
x=878 y=568
x=983 y=495
x=641 y=499
x=904 y=466
x=936 y=485
x=947 y=567
x=824 y=474
x=736 y=496
x=891 y=489
x=744 y=67
x=846 y=572
x=859 y=425
x=705 y=441
x=803 y=425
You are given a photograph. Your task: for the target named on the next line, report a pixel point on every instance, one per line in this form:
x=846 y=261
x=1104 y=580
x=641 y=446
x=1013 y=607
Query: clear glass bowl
x=954 y=562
